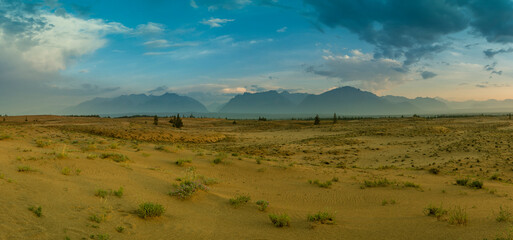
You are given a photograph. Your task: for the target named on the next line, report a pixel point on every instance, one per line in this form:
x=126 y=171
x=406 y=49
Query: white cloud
x=50 y=48
x=362 y=70
x=216 y=22
x=149 y=28
x=281 y=30
x=160 y=43
x=236 y=90
x=193 y=4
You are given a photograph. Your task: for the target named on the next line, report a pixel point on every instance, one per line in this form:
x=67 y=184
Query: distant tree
x=262 y=119
x=508 y=115
x=234 y=122
x=176 y=121
x=317 y=120
x=26 y=119
x=334 y=118
x=156 y=120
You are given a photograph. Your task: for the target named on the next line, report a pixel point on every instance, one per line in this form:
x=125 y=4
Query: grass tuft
x=322 y=218
x=239 y=200
x=149 y=209
x=282 y=220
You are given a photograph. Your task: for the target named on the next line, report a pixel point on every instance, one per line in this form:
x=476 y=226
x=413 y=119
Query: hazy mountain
x=262 y=102
x=295 y=98
x=425 y=105
x=486 y=106
x=138 y=103
x=349 y=100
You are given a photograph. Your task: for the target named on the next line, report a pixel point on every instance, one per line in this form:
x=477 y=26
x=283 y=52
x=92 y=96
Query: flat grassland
x=404 y=178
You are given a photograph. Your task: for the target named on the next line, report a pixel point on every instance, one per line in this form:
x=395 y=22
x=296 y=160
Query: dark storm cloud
x=428 y=74
x=491 y=68
x=492 y=19
x=490 y=53
x=414 y=29
x=398 y=28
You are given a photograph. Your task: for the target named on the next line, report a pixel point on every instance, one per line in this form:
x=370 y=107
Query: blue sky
x=54 y=54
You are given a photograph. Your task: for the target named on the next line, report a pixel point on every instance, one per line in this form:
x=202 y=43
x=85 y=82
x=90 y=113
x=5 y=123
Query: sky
x=57 y=53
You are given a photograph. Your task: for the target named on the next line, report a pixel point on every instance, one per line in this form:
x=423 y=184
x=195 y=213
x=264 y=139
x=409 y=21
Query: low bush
x=239 y=200
x=148 y=209
x=322 y=217
x=281 y=220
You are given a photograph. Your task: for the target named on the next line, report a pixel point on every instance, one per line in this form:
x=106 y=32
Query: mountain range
x=342 y=101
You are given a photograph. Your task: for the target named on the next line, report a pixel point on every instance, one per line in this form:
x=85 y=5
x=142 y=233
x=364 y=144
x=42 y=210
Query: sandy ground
x=271 y=160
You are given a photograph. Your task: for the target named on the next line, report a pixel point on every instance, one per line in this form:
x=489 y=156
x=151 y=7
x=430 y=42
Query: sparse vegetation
x=262 y=205
x=322 y=218
x=381 y=182
x=149 y=210
x=504 y=215
x=187 y=188
x=280 y=220
x=325 y=184
x=438 y=212
x=97 y=218
x=26 y=169
x=116 y=157
x=239 y=200
x=181 y=162
x=458 y=216
x=475 y=183
x=37 y=210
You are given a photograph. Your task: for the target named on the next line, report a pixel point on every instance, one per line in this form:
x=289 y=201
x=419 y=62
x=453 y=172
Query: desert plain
x=381 y=178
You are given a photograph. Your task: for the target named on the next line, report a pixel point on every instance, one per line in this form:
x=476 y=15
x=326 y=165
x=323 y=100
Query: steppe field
x=126 y=178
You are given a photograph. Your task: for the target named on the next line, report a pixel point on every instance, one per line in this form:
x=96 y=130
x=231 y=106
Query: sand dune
x=271 y=161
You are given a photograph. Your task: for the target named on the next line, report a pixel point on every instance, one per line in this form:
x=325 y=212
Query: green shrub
x=25 y=169
x=149 y=209
x=382 y=182
x=458 y=216
x=120 y=229
x=96 y=218
x=187 y=188
x=504 y=215
x=181 y=162
x=475 y=183
x=262 y=205
x=101 y=193
x=119 y=192
x=438 y=212
x=410 y=184
x=116 y=157
x=434 y=171
x=282 y=220
x=239 y=200
x=326 y=184
x=38 y=211
x=462 y=181
x=322 y=217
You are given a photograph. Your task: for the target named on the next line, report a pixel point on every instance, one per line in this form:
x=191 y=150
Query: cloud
x=281 y=30
x=490 y=53
x=35 y=45
x=149 y=29
x=489 y=85
x=408 y=29
x=236 y=90
x=216 y=22
x=412 y=30
x=216 y=4
x=428 y=75
x=362 y=70
x=491 y=68
x=160 y=43
x=48 y=42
